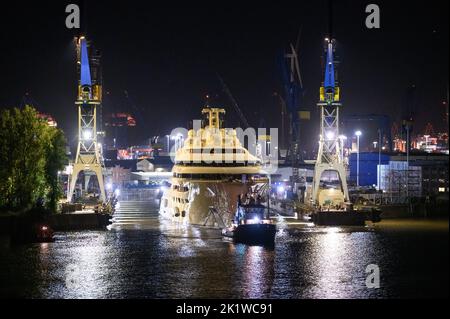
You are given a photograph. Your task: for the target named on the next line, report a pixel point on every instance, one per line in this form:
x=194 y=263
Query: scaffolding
x=400 y=181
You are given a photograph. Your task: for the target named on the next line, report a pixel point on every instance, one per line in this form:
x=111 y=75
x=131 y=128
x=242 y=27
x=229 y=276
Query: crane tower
x=89 y=97
x=329 y=157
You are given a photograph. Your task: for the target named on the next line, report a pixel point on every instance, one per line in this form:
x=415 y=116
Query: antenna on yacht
x=207 y=100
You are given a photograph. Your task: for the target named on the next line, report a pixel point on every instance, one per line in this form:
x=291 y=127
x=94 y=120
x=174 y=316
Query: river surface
x=143 y=257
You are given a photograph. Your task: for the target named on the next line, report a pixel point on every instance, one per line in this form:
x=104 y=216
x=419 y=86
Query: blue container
x=368 y=163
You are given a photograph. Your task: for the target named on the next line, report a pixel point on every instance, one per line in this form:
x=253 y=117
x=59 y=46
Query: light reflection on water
x=163 y=260
x=336 y=265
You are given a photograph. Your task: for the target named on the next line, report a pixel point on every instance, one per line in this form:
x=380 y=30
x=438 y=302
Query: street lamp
x=342 y=138
x=178 y=141
x=174 y=138
x=358 y=134
x=168 y=144
x=426 y=142
x=380 y=141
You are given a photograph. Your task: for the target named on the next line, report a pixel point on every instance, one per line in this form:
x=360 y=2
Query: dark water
x=146 y=258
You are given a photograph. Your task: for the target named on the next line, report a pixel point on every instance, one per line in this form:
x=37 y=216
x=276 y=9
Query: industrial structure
x=290 y=106
x=88 y=158
x=329 y=157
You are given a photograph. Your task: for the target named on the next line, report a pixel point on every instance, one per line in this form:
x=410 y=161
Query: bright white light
x=108 y=186
x=163 y=188
x=329 y=135
x=280 y=189
x=117 y=192
x=342 y=137
x=87 y=134
x=255 y=219
x=358 y=133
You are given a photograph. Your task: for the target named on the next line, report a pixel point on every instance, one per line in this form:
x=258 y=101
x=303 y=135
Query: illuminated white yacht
x=210 y=172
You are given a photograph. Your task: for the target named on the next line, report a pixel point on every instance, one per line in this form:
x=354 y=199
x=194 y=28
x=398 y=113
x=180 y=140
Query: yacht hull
x=207 y=203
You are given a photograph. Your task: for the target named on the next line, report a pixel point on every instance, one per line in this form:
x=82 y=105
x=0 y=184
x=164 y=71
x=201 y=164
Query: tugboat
x=251 y=225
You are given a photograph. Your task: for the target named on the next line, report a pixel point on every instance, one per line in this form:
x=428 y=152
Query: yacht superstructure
x=210 y=172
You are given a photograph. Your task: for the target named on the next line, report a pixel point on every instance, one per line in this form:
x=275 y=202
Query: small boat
x=251 y=226
x=44 y=234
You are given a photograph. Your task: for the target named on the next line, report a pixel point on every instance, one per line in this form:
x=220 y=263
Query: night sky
x=166 y=58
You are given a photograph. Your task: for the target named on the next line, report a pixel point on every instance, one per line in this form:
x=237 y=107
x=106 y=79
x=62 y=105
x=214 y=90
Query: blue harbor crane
x=290 y=102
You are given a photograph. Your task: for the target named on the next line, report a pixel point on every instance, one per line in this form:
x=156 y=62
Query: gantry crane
x=329 y=157
x=88 y=158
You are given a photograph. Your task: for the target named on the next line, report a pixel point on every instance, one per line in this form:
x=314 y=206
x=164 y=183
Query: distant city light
x=280 y=189
x=117 y=192
x=358 y=133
